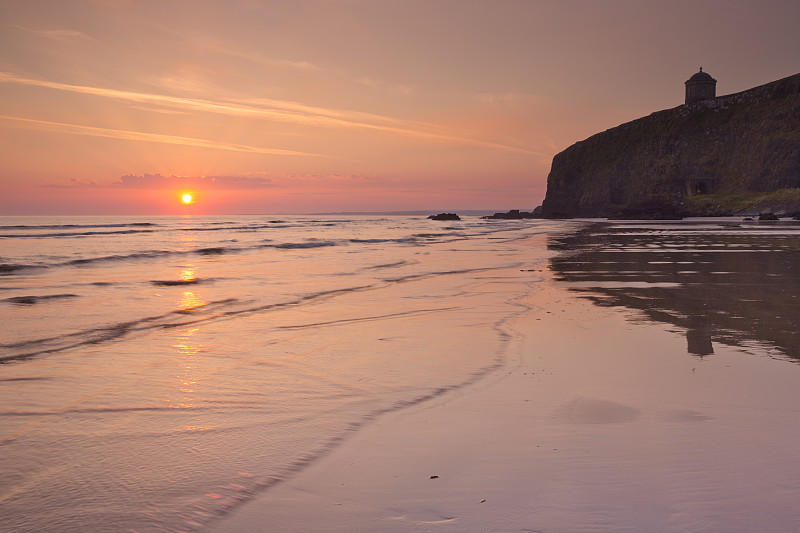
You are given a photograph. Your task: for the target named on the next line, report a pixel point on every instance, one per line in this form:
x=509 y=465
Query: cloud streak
x=245 y=182
x=157 y=181
x=276 y=110
x=56 y=34
x=269 y=62
x=93 y=131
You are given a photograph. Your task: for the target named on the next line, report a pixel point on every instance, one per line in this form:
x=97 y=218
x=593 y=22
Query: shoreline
x=599 y=421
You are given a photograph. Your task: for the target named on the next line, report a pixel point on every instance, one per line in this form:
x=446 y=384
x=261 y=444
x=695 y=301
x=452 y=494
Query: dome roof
x=702 y=76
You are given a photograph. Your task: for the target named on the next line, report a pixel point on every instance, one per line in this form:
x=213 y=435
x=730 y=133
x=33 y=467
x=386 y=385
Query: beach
x=399 y=374
x=271 y=266
x=602 y=420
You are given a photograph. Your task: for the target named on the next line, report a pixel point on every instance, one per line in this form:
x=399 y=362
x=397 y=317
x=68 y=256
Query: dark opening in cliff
x=699 y=186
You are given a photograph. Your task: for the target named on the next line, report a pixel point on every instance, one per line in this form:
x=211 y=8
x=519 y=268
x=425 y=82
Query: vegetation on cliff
x=784 y=202
x=747 y=142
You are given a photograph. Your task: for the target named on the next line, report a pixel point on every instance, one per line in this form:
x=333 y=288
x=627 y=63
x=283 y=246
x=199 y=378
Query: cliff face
x=743 y=142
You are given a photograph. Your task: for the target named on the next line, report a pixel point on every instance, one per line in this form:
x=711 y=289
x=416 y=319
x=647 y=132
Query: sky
x=309 y=106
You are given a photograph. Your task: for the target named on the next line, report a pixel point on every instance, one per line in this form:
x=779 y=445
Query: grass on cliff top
x=782 y=201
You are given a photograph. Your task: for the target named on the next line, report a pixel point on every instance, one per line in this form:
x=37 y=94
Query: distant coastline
x=468 y=212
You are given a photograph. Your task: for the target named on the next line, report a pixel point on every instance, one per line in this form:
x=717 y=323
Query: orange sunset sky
x=258 y=106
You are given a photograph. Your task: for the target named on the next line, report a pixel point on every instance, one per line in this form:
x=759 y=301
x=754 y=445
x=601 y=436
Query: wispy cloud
x=391 y=88
x=240 y=182
x=157 y=181
x=93 y=131
x=163 y=111
x=266 y=61
x=277 y=110
x=508 y=98
x=55 y=34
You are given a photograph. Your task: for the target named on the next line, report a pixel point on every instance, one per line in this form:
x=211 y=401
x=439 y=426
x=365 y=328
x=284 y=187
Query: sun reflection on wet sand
x=188 y=380
x=185 y=346
x=188 y=376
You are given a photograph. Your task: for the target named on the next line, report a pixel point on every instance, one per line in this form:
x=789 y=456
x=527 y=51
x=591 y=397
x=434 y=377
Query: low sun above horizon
x=186 y=198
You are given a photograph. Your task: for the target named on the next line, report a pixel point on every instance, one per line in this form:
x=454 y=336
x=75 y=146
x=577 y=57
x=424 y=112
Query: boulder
x=445 y=216
x=516 y=214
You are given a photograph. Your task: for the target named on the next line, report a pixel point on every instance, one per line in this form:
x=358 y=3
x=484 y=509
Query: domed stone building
x=700 y=87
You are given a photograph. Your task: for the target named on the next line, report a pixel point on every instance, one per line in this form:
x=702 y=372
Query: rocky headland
x=733 y=154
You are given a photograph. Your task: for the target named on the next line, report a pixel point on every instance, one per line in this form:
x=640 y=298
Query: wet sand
x=603 y=419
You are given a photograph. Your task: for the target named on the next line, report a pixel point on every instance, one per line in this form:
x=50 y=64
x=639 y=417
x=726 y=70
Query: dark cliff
x=743 y=142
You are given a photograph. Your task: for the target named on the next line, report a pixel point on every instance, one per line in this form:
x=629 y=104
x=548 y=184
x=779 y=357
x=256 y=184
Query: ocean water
x=157 y=372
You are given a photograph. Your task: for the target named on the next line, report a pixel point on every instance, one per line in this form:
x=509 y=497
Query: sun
x=187 y=198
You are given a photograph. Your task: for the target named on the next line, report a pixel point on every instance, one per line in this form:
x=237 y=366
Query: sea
x=158 y=372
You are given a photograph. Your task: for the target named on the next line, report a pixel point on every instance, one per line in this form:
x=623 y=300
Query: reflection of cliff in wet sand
x=719 y=283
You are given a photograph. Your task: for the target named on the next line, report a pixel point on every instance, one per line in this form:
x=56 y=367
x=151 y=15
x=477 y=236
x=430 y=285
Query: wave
x=219 y=309
x=89 y=230
x=296 y=245
x=93 y=410
x=30 y=300
x=176 y=318
x=72 y=234
x=217 y=250
x=400 y=240
x=424 y=275
x=390 y=265
x=10 y=268
x=272 y=224
x=370 y=241
x=434 y=235
x=368 y=318
x=34 y=227
x=175 y=282
x=14 y=268
x=59 y=343
x=104 y=258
